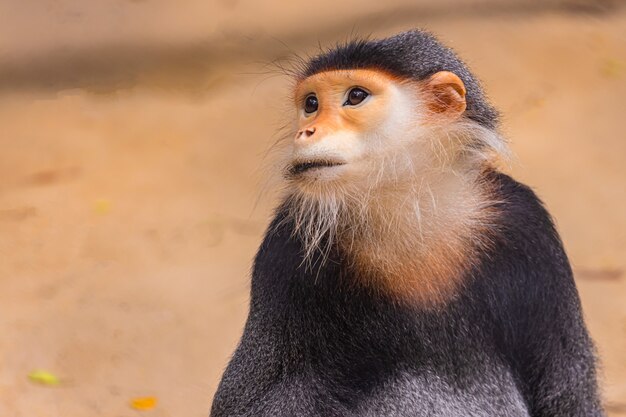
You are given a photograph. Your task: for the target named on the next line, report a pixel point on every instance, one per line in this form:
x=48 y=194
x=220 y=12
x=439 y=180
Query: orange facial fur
x=331 y=87
x=394 y=181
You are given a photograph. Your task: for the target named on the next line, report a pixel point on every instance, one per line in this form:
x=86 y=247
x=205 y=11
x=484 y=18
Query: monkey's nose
x=306 y=133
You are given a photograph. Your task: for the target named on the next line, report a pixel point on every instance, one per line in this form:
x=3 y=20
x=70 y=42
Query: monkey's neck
x=414 y=241
x=419 y=243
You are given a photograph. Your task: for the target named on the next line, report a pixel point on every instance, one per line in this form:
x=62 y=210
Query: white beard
x=412 y=196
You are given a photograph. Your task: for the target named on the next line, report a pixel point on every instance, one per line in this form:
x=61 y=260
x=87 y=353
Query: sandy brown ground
x=132 y=159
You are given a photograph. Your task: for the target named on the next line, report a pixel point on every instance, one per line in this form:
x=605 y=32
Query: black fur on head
x=413 y=54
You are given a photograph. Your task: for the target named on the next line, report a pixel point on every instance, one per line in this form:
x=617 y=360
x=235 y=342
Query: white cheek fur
x=404 y=119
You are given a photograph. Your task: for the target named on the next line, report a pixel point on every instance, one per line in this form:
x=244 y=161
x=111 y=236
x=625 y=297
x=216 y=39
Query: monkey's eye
x=310 y=104
x=356 y=96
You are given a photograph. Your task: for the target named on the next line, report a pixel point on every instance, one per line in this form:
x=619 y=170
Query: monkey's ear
x=446 y=94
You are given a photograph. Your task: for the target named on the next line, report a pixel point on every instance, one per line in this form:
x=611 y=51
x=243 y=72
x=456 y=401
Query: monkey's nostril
x=306 y=133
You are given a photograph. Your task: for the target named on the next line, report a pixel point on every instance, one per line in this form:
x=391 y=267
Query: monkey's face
x=344 y=117
x=357 y=127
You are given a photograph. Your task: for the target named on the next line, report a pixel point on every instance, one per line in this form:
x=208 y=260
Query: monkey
x=403 y=274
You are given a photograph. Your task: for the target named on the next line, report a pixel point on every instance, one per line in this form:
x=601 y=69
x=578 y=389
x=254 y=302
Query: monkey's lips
x=302 y=167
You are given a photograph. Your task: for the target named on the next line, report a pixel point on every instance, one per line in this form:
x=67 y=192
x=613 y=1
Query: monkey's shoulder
x=522 y=209
x=524 y=235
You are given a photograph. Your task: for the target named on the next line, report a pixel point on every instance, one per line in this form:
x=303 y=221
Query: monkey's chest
x=404 y=393
x=367 y=362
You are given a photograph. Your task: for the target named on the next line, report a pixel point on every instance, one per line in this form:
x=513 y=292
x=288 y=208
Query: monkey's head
x=378 y=119
x=356 y=124
x=373 y=113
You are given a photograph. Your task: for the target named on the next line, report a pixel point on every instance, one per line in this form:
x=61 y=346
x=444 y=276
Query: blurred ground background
x=132 y=135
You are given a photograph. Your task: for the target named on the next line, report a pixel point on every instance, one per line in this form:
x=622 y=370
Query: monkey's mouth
x=300 y=167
